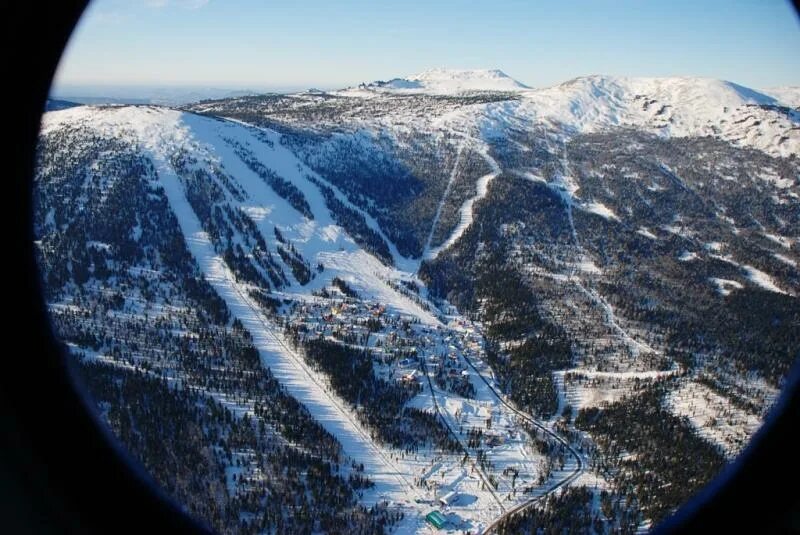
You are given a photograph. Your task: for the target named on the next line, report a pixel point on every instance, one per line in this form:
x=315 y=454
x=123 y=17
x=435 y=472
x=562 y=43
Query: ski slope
x=409 y=482
x=465 y=213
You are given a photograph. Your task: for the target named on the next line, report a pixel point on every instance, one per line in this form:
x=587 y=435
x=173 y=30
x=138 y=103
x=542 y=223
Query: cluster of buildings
x=402 y=347
x=407 y=350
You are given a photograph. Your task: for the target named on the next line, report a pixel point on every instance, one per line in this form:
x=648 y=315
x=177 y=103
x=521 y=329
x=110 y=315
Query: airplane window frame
x=62 y=471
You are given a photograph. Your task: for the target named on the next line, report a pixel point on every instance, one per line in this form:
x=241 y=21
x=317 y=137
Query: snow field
x=714 y=416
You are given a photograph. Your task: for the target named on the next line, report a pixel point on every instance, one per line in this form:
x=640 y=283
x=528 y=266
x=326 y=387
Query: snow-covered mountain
x=308 y=224
x=671 y=107
x=466 y=288
x=180 y=202
x=449 y=82
x=443 y=99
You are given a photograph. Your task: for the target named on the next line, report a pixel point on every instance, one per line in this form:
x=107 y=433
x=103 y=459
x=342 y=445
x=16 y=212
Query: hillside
x=448 y=282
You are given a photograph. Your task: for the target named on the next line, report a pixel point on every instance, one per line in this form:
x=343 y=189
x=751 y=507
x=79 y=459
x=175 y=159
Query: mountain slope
x=616 y=243
x=669 y=107
x=349 y=345
x=177 y=378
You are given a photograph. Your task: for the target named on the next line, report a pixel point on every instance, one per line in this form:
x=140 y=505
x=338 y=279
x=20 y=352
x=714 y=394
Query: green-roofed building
x=436 y=519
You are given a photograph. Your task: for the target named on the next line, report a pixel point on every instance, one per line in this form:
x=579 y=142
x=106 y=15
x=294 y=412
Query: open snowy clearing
x=582 y=388
x=716 y=419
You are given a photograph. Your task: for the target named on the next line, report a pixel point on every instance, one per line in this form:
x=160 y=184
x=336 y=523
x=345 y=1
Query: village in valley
x=499 y=461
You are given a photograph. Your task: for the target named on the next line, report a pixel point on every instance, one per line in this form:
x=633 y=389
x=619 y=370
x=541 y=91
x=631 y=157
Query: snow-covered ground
x=761 y=279
x=714 y=416
x=726 y=286
x=583 y=388
x=413 y=481
x=600 y=209
x=510 y=474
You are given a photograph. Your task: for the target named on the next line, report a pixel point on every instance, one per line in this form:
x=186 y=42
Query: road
x=479 y=469
x=552 y=434
x=269 y=329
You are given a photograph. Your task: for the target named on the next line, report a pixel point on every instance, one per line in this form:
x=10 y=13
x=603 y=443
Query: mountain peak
x=713 y=90
x=445 y=81
x=469 y=79
x=442 y=73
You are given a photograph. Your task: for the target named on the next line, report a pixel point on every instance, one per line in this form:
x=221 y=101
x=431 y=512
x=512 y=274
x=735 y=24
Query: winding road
x=486 y=481
x=552 y=434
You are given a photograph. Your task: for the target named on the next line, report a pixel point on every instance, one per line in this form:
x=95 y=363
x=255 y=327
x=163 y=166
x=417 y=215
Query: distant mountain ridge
x=667 y=106
x=448 y=81
x=56 y=104
x=675 y=106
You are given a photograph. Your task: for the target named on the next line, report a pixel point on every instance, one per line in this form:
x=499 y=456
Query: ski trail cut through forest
x=443 y=200
x=287 y=367
x=566 y=187
x=465 y=212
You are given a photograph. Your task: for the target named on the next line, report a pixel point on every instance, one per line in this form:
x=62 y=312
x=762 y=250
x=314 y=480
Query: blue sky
x=336 y=43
